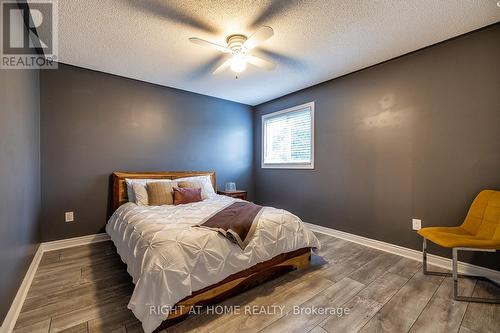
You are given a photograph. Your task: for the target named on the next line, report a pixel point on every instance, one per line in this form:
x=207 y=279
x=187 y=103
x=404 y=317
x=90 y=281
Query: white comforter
x=168 y=259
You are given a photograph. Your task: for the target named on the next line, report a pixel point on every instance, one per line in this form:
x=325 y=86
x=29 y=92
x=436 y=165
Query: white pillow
x=141 y=194
x=130 y=188
x=204 y=182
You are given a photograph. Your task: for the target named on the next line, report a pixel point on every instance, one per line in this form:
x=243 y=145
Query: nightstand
x=234 y=194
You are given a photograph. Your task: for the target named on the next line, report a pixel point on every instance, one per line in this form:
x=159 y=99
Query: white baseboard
x=463 y=267
x=76 y=241
x=15 y=308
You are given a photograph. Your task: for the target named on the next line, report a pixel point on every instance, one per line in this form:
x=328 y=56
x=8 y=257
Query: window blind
x=288 y=137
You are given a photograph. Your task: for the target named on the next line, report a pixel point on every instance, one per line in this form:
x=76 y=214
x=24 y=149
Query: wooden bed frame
x=233 y=284
x=120 y=187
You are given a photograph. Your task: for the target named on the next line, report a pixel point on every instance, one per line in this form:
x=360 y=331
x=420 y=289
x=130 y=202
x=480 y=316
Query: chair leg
x=454 y=274
x=424 y=256
x=455 y=284
x=424 y=262
x=454 y=266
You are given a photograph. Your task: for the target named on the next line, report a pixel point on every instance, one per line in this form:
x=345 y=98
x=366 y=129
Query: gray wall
x=93 y=124
x=418 y=136
x=19 y=178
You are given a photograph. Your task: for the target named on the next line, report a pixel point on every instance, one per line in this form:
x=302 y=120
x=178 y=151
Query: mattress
x=168 y=259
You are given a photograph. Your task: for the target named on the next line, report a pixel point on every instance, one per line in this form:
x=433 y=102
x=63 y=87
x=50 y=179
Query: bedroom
x=338 y=132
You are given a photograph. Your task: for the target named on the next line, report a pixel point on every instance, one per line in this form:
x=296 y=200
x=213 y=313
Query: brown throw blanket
x=237 y=222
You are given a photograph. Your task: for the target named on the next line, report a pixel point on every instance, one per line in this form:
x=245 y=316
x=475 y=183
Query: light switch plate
x=69 y=217
x=416 y=224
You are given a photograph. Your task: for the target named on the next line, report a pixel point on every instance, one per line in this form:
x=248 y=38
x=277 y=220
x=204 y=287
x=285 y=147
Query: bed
x=176 y=266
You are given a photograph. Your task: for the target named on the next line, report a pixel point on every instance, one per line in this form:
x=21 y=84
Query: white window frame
x=310 y=165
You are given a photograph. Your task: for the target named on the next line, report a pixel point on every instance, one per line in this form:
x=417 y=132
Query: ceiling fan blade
x=164 y=10
x=283 y=59
x=222 y=67
x=260 y=62
x=206 y=43
x=262 y=34
x=208 y=67
x=274 y=9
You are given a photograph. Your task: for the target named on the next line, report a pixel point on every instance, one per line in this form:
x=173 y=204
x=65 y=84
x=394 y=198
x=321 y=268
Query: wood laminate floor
x=86 y=289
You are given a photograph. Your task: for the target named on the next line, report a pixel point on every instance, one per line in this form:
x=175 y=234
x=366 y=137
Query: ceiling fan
x=240 y=47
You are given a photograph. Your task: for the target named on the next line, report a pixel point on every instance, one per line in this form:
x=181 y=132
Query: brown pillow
x=160 y=193
x=185 y=184
x=186 y=195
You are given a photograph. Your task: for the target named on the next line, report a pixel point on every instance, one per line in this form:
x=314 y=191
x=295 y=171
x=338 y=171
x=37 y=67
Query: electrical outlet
x=69 y=217
x=416 y=224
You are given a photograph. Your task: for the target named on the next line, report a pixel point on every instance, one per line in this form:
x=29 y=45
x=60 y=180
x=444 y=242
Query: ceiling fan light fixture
x=239 y=46
x=238 y=63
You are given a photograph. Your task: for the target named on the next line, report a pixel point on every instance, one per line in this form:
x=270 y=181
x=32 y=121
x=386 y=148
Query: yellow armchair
x=479 y=232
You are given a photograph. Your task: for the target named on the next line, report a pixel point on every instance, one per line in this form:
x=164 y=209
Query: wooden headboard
x=120 y=187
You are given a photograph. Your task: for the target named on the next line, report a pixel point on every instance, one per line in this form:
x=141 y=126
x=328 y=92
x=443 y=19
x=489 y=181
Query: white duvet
x=168 y=259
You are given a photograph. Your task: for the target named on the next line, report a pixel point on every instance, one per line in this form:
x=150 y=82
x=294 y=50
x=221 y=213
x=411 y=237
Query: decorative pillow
x=141 y=194
x=160 y=193
x=185 y=184
x=186 y=195
x=204 y=182
x=131 y=181
x=130 y=190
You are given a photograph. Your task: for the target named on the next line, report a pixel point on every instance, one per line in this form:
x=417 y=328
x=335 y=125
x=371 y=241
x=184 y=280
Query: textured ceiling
x=314 y=40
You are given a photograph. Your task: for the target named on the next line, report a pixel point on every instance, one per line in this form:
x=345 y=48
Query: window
x=288 y=138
